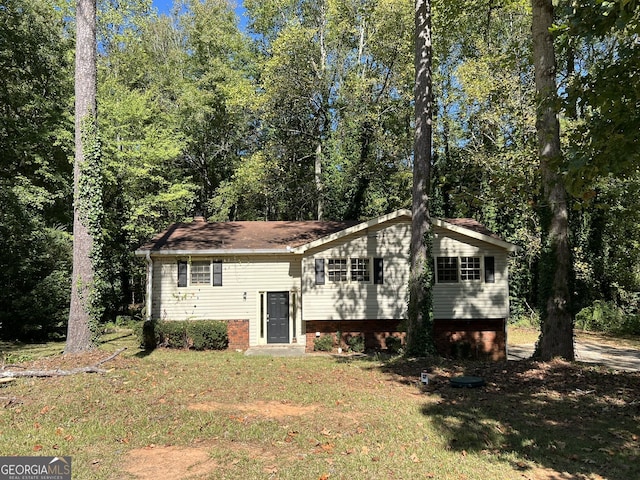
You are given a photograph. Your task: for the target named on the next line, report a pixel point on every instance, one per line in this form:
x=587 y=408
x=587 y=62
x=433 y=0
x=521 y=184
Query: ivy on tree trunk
x=420 y=324
x=79 y=334
x=556 y=336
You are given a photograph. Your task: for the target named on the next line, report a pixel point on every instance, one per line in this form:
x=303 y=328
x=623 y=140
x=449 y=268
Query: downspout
x=149 y=289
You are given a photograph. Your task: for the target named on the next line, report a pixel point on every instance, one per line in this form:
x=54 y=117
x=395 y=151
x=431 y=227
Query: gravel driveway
x=617 y=358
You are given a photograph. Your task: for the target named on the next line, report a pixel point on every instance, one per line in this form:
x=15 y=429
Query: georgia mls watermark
x=35 y=468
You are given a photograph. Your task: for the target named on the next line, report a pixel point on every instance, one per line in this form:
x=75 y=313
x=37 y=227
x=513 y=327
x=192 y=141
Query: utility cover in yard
x=468 y=382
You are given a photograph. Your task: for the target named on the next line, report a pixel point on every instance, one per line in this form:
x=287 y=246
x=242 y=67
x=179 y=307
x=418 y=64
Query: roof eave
x=510 y=247
x=354 y=229
x=214 y=252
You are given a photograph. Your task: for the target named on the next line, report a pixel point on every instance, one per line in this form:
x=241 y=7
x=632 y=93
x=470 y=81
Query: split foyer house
x=281 y=282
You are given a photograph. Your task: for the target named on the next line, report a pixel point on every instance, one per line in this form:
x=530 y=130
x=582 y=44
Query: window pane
x=337 y=269
x=470 y=268
x=200 y=273
x=447 y=269
x=360 y=270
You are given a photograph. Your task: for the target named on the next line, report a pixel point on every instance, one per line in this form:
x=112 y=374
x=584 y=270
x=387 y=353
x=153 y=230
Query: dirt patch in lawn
x=169 y=463
x=259 y=408
x=172 y=462
x=538 y=473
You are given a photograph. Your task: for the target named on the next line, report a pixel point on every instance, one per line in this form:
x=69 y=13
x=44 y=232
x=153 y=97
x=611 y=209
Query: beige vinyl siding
x=354 y=300
x=252 y=275
x=470 y=299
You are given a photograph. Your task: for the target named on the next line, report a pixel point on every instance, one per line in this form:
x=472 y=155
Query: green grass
x=522 y=335
x=321 y=416
x=20 y=352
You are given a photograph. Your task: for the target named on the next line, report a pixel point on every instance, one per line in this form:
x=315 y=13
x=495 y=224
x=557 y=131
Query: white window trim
x=459 y=266
x=348 y=271
x=480 y=278
x=211 y=262
x=191 y=274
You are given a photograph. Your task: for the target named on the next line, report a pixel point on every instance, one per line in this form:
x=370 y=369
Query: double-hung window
x=360 y=270
x=469 y=268
x=447 y=268
x=464 y=269
x=356 y=269
x=200 y=272
x=337 y=269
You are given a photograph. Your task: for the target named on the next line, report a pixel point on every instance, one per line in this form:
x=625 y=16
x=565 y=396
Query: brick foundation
x=479 y=339
x=238 y=333
x=374 y=331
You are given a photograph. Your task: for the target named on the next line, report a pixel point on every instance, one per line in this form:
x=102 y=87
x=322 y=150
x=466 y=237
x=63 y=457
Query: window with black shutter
x=182 y=274
x=217 y=273
x=378 y=271
x=489 y=270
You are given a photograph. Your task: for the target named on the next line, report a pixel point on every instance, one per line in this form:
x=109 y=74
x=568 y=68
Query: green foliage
x=173 y=334
x=394 y=344
x=196 y=114
x=522 y=315
x=35 y=261
x=356 y=343
x=608 y=317
x=420 y=339
x=193 y=334
x=89 y=203
x=36 y=139
x=147 y=334
x=323 y=343
x=10 y=358
x=207 y=335
x=605 y=91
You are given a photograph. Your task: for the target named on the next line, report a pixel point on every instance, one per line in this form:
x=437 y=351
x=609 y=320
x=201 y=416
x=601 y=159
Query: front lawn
x=221 y=415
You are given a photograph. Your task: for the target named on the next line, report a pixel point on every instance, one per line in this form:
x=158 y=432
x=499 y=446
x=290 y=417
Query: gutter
x=149 y=289
x=214 y=252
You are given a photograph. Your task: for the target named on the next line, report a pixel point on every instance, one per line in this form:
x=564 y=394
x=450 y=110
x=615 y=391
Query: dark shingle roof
x=256 y=235
x=471 y=224
x=259 y=235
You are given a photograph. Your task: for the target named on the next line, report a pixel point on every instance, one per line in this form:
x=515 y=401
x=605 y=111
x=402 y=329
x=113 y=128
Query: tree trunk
x=419 y=328
x=79 y=335
x=318 y=182
x=556 y=337
x=322 y=22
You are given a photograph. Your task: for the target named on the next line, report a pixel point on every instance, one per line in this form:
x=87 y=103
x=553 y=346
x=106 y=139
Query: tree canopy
x=307 y=112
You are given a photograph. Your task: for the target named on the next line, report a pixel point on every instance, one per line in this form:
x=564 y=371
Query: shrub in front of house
x=323 y=343
x=394 y=344
x=207 y=335
x=147 y=334
x=356 y=343
x=198 y=334
x=173 y=334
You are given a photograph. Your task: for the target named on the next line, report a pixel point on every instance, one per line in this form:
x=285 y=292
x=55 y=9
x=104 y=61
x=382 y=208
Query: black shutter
x=489 y=270
x=217 y=273
x=182 y=274
x=378 y=271
x=319 y=271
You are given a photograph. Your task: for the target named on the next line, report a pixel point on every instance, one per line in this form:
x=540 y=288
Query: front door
x=277 y=317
